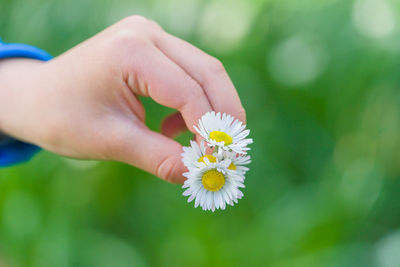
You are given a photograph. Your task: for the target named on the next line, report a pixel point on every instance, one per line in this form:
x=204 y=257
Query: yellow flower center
x=211 y=158
x=221 y=136
x=232 y=166
x=213 y=180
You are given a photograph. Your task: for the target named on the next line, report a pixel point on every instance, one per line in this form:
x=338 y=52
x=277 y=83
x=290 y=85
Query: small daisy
x=222 y=131
x=194 y=154
x=213 y=185
x=237 y=161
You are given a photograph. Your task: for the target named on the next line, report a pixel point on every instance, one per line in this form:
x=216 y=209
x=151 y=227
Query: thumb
x=152 y=152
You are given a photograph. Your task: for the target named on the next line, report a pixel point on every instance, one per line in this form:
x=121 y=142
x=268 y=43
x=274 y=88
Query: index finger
x=207 y=71
x=168 y=84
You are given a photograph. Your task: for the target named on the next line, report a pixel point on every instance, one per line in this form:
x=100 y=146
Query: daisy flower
x=224 y=132
x=215 y=177
x=238 y=161
x=194 y=154
x=212 y=185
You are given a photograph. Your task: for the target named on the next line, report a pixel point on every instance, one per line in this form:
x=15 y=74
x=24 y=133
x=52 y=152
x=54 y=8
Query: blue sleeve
x=13 y=151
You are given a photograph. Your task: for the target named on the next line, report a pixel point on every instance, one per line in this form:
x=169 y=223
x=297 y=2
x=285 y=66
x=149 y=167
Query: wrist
x=18 y=94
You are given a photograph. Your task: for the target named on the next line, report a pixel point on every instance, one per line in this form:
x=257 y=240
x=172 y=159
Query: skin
x=84 y=103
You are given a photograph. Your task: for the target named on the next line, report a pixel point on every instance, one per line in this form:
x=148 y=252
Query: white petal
x=187 y=192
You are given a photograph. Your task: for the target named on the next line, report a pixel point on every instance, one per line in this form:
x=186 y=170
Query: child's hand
x=84 y=103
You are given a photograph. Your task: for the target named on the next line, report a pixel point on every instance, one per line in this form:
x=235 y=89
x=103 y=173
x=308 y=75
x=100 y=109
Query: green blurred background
x=320 y=83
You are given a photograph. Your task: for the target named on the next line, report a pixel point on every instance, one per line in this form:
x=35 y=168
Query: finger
x=158 y=77
x=173 y=125
x=150 y=151
x=207 y=71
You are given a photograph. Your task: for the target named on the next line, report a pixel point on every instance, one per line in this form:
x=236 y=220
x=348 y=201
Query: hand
x=84 y=103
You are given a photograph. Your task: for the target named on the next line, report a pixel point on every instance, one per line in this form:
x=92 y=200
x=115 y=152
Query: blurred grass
x=320 y=83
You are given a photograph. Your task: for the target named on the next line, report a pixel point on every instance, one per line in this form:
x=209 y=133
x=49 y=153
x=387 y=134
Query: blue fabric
x=14 y=151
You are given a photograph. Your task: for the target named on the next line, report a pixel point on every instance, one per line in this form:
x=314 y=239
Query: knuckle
x=154 y=25
x=127 y=37
x=140 y=22
x=136 y=30
x=214 y=70
x=216 y=66
x=135 y=19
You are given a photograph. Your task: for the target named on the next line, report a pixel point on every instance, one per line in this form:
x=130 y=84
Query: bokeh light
x=297 y=60
x=387 y=250
x=221 y=28
x=374 y=18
